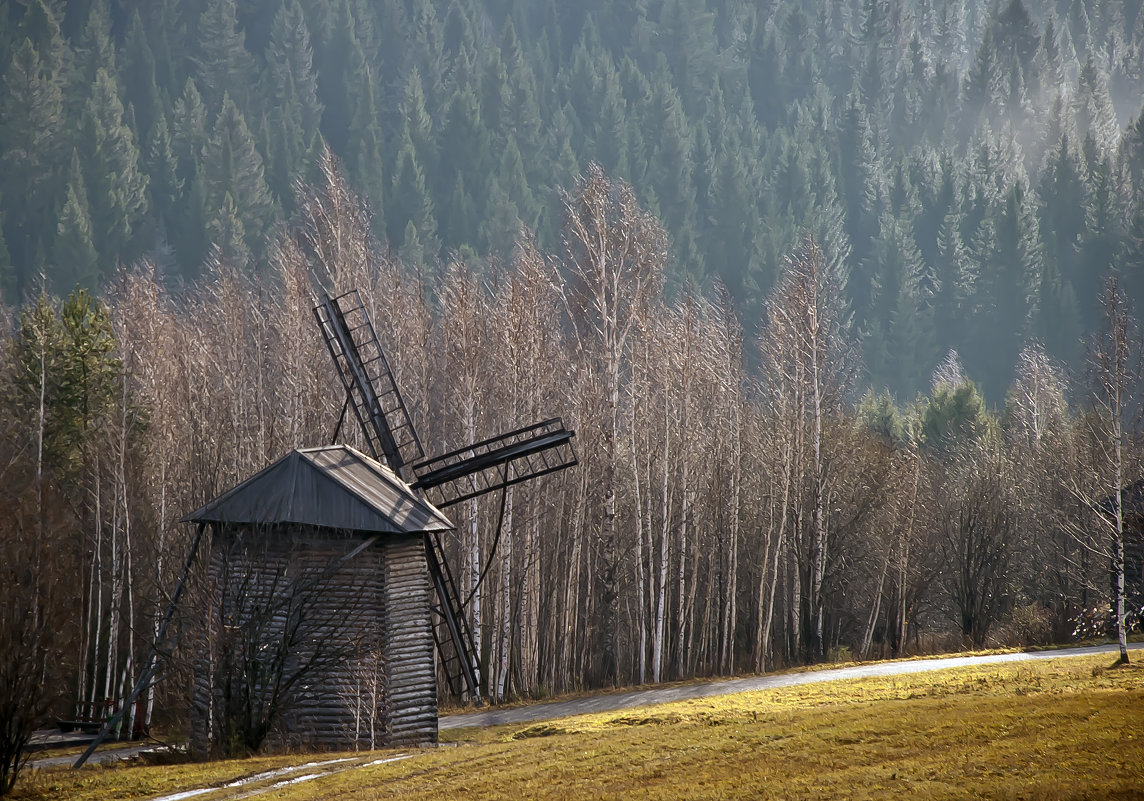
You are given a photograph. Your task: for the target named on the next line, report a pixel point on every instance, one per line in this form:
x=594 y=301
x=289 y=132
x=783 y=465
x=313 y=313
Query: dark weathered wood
x=378 y=601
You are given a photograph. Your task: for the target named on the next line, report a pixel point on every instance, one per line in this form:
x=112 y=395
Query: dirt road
x=661 y=695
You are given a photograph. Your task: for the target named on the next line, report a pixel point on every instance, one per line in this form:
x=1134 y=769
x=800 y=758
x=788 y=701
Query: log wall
x=353 y=638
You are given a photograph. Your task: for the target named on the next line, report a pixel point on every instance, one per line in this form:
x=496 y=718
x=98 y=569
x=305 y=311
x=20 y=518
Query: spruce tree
x=465 y=145
x=364 y=154
x=189 y=136
x=1061 y=211
x=291 y=85
x=227 y=235
x=411 y=203
x=138 y=78
x=116 y=182
x=74 y=259
x=418 y=125
x=7 y=272
x=223 y=64
x=165 y=186
x=31 y=127
x=232 y=166
x=95 y=49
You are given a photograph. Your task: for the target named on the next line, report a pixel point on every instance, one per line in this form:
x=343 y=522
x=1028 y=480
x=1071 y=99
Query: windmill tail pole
x=152 y=658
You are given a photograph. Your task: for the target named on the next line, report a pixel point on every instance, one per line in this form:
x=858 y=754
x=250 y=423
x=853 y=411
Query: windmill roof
x=334 y=487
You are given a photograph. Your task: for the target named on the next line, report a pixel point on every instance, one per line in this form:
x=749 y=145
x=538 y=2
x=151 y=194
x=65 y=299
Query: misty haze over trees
x=835 y=294
x=974 y=168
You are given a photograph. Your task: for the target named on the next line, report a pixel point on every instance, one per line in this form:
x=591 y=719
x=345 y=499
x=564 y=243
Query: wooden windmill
x=468 y=472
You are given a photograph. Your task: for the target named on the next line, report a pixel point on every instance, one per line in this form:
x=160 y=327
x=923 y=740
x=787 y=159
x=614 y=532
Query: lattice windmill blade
x=492 y=464
x=389 y=433
x=496 y=463
x=370 y=386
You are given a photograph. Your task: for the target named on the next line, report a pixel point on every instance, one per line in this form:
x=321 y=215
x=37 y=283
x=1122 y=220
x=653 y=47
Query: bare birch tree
x=614 y=259
x=1115 y=377
x=810 y=364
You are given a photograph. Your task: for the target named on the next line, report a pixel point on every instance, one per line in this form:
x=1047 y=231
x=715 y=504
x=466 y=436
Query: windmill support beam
x=462 y=639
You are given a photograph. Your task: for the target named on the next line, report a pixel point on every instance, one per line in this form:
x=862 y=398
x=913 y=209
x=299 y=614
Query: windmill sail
x=485 y=466
x=370 y=386
x=496 y=463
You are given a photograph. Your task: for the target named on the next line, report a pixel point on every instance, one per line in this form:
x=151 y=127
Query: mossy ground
x=1057 y=729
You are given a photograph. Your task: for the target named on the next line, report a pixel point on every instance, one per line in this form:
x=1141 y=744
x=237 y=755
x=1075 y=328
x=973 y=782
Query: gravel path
x=661 y=695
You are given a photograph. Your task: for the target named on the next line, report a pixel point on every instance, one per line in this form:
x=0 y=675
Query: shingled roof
x=333 y=487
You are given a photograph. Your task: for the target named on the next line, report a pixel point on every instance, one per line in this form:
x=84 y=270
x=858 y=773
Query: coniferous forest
x=837 y=296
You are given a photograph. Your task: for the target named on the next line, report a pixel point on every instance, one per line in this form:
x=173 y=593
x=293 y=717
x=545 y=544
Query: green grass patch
x=1067 y=728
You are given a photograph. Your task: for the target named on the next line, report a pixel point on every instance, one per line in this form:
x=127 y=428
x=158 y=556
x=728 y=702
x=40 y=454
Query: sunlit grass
x=1054 y=729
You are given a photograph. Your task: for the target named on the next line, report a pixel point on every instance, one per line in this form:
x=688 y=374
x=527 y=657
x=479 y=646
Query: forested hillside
x=974 y=168
x=735 y=245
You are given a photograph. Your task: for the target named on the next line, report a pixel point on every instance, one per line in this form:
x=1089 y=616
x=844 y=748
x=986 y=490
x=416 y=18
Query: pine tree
x=232 y=166
x=1012 y=287
x=465 y=146
x=227 y=235
x=670 y=171
x=412 y=251
x=511 y=205
x=165 y=186
x=137 y=77
x=983 y=87
x=292 y=88
x=411 y=204
x=1056 y=320
x=340 y=76
x=1061 y=212
x=951 y=271
x=1103 y=241
x=419 y=127
x=494 y=98
x=1093 y=108
x=363 y=155
x=116 y=182
x=459 y=224
x=902 y=312
x=1015 y=36
x=523 y=117
x=223 y=64
x=74 y=260
x=457 y=30
x=95 y=49
x=860 y=178
x=7 y=272
x=31 y=128
x=190 y=131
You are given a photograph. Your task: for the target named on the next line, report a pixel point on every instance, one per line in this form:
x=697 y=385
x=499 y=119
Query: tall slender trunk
x=820 y=541
x=904 y=548
x=872 y=620
x=611 y=595
x=664 y=550
x=161 y=552
x=506 y=610
x=641 y=581
x=776 y=548
x=129 y=578
x=97 y=616
x=730 y=612
x=473 y=541
x=530 y=601
x=1118 y=545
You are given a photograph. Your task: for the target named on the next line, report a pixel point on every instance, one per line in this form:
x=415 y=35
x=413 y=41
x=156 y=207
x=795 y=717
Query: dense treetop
x=973 y=168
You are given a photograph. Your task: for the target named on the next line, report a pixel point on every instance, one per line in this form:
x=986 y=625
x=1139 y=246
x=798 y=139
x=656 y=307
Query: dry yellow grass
x=1058 y=729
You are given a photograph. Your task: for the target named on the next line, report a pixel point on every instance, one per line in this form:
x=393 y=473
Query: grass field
x=1059 y=729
